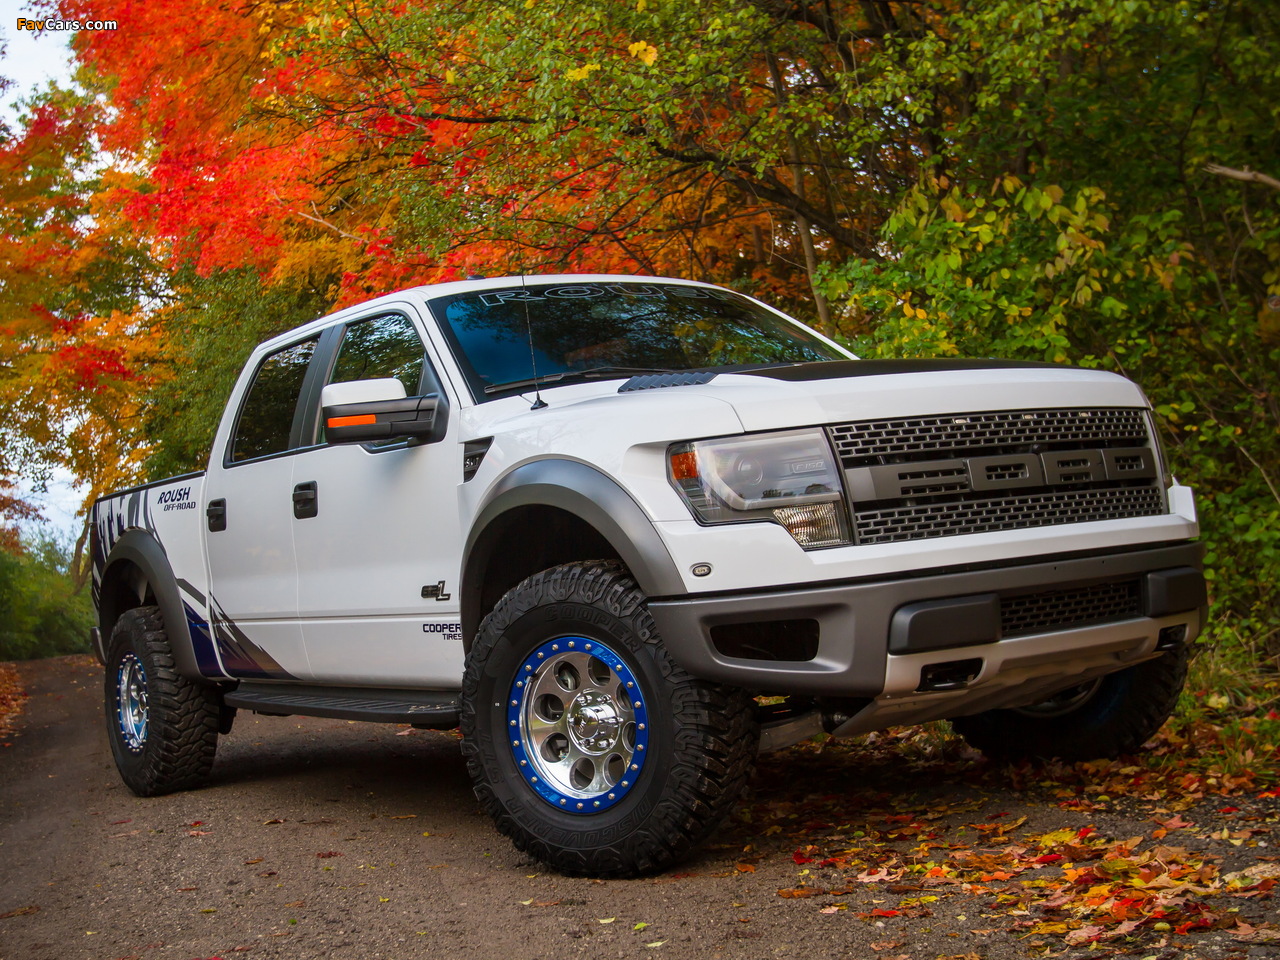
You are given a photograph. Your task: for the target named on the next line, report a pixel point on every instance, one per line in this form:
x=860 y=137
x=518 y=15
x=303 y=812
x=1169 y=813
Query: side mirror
x=366 y=411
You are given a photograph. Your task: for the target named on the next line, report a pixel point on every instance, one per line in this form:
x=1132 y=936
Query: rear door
x=249 y=505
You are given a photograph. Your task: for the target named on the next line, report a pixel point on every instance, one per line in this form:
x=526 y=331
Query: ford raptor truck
x=598 y=521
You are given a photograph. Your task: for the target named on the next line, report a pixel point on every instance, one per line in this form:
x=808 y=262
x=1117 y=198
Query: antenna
x=538 y=402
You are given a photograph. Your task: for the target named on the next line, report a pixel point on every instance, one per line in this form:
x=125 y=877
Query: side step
x=429 y=709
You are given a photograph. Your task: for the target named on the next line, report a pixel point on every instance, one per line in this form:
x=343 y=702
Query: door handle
x=216 y=515
x=306 y=501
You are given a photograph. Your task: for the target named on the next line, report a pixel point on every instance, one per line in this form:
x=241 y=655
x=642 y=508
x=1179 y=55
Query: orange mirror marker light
x=352 y=421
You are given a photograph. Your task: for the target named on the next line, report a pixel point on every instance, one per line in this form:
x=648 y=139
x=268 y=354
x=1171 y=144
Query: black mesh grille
x=1101 y=603
x=1005 y=513
x=861 y=443
x=917 y=478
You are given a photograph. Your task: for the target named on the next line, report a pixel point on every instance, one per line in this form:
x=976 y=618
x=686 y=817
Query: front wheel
x=588 y=746
x=1104 y=718
x=162 y=727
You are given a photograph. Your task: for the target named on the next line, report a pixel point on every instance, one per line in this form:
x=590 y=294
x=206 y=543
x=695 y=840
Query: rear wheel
x=586 y=743
x=1103 y=718
x=162 y=727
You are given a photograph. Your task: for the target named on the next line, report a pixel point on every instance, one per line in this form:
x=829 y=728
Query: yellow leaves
x=953 y=210
x=450 y=76
x=644 y=52
x=582 y=72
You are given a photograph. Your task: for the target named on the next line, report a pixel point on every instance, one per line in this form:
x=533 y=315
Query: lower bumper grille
x=1058 y=609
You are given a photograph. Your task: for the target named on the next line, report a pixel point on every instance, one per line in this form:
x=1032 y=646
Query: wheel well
x=124 y=586
x=520 y=543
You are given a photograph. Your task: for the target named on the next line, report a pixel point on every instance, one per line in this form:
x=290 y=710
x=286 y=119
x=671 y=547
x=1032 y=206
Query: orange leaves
x=801 y=893
x=866 y=835
x=11 y=699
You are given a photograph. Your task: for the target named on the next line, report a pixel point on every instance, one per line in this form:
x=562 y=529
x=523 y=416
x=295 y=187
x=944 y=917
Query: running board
x=431 y=709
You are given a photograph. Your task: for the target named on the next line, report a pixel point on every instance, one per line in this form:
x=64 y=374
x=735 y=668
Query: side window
x=266 y=417
x=382 y=347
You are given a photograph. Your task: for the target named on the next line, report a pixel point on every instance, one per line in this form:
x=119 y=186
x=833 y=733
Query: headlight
x=789 y=478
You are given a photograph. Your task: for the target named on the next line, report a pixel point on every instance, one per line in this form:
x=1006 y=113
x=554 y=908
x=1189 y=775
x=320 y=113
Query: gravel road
x=336 y=840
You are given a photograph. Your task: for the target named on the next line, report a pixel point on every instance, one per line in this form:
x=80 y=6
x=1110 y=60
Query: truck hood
x=774 y=398
x=840 y=391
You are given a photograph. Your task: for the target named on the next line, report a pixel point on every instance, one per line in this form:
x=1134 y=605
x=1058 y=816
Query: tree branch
x=1247 y=175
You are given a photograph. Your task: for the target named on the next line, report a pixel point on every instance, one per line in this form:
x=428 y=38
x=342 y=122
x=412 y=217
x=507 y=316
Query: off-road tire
x=1121 y=714
x=694 y=754
x=163 y=728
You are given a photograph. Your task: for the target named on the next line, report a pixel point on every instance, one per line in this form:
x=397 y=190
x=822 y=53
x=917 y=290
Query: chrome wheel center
x=594 y=722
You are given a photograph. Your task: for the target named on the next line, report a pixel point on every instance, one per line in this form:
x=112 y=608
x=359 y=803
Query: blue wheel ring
x=578 y=725
x=132 y=713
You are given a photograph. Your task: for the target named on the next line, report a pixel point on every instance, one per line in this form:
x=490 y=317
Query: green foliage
x=210 y=331
x=1065 y=213
x=41 y=614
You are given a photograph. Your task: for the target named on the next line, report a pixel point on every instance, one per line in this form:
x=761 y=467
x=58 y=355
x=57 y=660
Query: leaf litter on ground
x=914 y=818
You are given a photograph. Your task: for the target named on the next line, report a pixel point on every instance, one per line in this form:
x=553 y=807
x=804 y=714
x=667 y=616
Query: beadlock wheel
x=162 y=726
x=590 y=748
x=582 y=724
x=131 y=710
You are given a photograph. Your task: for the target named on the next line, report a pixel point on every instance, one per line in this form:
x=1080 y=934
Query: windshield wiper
x=590 y=373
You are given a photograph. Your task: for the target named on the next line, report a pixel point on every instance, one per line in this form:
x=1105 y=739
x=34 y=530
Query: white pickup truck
x=596 y=521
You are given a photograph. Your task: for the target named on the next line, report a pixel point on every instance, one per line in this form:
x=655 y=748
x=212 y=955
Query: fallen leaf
x=20 y=912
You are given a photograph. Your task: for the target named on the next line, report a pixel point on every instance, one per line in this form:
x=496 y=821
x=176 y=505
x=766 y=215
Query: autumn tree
x=1072 y=181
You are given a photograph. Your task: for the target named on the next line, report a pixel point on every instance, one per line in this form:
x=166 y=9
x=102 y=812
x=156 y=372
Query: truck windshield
x=592 y=330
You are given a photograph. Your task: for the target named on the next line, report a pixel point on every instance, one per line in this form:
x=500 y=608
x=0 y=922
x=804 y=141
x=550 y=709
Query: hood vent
x=652 y=381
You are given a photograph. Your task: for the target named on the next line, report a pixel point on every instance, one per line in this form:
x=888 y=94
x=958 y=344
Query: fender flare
x=141 y=549
x=584 y=492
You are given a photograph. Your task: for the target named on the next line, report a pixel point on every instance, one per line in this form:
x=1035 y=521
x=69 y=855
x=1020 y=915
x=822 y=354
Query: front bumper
x=948 y=643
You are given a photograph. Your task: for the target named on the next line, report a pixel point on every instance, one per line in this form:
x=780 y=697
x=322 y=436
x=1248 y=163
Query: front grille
x=1058 y=609
x=861 y=443
x=918 y=478
x=1004 y=513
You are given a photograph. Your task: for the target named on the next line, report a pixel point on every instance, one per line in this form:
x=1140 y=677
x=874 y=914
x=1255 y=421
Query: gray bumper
x=895 y=639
